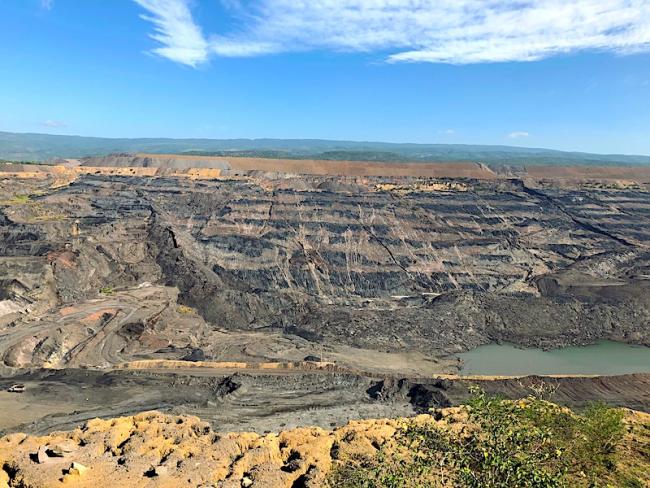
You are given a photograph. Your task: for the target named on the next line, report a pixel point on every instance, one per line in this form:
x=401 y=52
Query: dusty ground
x=267 y=400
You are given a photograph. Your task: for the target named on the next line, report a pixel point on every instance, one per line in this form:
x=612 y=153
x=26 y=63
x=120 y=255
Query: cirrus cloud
x=518 y=134
x=174 y=28
x=437 y=31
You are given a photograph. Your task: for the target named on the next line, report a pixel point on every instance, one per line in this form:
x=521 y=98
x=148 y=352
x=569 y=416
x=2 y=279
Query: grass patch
x=17 y=200
x=34 y=211
x=106 y=290
x=530 y=443
x=21 y=199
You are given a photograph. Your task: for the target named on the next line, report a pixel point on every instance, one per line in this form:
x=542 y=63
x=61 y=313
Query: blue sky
x=537 y=73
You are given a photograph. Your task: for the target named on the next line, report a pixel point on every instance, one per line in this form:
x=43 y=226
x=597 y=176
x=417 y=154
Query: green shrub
x=22 y=198
x=420 y=458
x=512 y=448
x=602 y=430
x=529 y=443
x=17 y=200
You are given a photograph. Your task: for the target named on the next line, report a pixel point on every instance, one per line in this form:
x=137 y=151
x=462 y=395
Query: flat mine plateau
x=267 y=295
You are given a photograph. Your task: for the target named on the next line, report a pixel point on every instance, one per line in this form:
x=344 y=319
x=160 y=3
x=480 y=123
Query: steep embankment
x=436 y=266
x=233 y=165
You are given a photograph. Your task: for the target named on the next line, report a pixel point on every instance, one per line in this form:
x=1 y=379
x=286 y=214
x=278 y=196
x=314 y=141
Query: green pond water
x=603 y=358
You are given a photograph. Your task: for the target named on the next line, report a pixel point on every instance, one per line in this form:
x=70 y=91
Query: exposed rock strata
x=390 y=264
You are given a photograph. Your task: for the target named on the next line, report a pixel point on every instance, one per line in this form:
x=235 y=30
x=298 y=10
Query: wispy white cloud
x=518 y=134
x=54 y=124
x=439 y=31
x=181 y=38
x=47 y=4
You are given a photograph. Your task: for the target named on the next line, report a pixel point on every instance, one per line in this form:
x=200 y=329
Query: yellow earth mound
x=154 y=449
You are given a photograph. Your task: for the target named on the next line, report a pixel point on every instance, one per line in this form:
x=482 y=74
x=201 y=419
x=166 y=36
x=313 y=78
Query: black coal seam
x=271 y=203
x=390 y=253
x=585 y=225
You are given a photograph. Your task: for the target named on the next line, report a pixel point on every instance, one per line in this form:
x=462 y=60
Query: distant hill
x=42 y=147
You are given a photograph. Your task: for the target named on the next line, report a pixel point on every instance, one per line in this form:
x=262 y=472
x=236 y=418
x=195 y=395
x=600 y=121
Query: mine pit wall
x=625 y=176
x=200 y=167
x=221 y=299
x=231 y=299
x=465 y=262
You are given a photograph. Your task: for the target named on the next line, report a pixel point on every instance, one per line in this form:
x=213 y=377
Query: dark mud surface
x=250 y=401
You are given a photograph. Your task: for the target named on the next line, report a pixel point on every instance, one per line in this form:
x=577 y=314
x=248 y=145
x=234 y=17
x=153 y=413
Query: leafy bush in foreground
x=529 y=443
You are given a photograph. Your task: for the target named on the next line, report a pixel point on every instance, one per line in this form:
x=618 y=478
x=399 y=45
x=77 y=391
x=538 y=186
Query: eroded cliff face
x=106 y=268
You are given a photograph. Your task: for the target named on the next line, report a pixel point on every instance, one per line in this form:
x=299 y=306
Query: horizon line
x=611 y=154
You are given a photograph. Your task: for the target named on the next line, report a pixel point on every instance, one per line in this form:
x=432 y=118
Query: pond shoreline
x=604 y=358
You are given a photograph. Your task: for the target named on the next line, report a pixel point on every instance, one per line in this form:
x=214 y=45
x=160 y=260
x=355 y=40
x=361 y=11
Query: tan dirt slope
x=388 y=169
x=153 y=449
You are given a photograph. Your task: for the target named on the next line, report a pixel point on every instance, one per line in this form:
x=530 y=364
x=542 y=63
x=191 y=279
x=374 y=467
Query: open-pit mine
x=266 y=295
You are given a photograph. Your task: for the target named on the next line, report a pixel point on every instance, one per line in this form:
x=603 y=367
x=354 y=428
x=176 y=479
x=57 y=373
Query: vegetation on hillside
x=335 y=155
x=8 y=161
x=529 y=443
x=42 y=147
